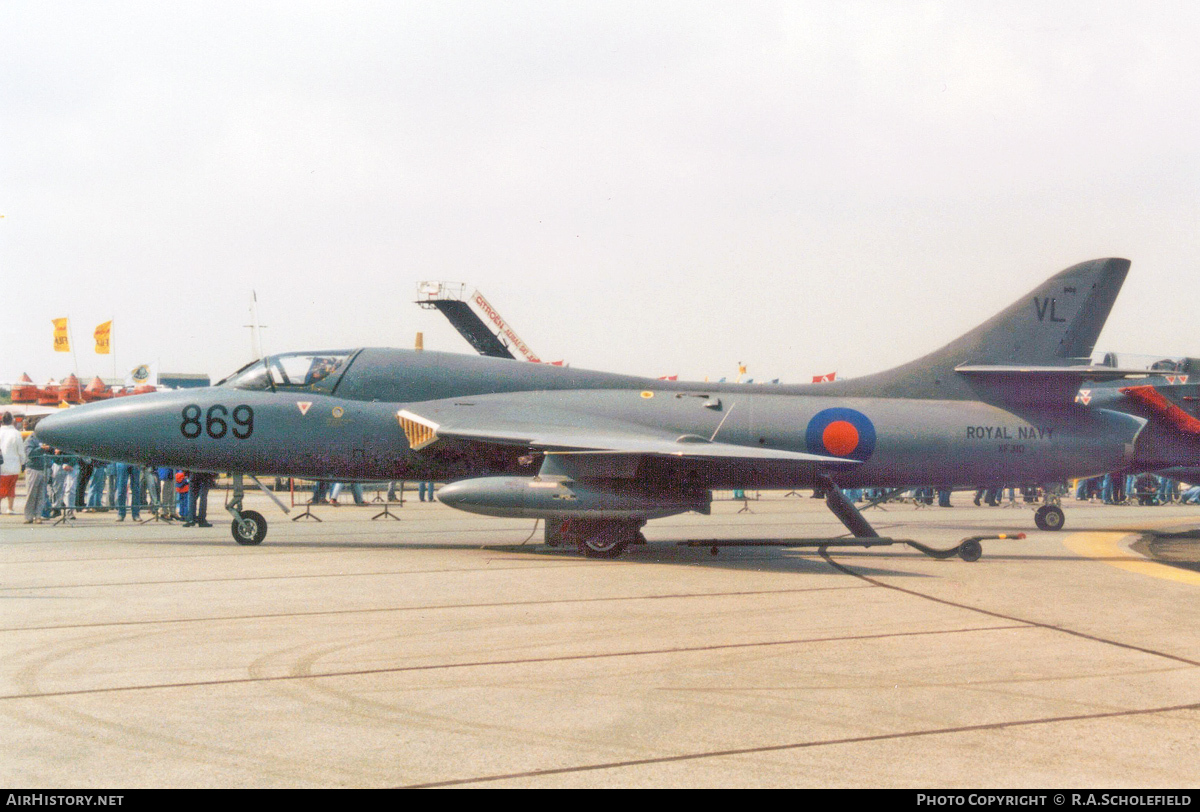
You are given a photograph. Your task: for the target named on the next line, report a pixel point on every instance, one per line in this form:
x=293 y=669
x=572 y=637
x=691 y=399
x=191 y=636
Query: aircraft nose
x=126 y=430
x=70 y=429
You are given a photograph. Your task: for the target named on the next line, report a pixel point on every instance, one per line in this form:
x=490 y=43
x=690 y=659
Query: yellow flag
x=61 y=342
x=102 y=333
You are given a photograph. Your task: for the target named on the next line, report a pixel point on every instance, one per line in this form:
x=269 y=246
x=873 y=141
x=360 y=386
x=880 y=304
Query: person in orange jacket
x=182 y=507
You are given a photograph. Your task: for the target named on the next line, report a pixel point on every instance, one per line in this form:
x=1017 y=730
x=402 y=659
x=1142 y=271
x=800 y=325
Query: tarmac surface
x=445 y=650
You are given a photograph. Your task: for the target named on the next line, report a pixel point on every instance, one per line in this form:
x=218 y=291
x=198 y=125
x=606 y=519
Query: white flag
x=146 y=374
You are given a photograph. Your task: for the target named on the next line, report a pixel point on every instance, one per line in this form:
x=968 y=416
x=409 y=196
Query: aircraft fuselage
x=352 y=433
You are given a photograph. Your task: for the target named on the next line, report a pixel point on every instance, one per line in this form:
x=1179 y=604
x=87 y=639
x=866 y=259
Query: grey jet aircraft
x=597 y=455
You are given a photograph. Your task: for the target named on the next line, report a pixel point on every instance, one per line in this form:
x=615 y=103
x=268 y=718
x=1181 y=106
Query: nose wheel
x=250 y=528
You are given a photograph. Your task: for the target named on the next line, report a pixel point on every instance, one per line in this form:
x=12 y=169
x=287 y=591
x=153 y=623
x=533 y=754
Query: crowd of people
x=58 y=482
x=327 y=493
x=1112 y=489
x=1144 y=489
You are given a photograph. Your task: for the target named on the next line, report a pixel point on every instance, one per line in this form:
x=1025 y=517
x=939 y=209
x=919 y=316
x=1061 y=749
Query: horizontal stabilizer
x=1053 y=386
x=1074 y=373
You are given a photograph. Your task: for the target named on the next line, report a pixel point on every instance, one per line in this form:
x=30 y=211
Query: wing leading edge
x=564 y=434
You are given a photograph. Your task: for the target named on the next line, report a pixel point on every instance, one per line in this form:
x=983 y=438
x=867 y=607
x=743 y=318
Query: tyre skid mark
x=899 y=735
x=297 y=577
x=53 y=713
x=440 y=607
x=511 y=662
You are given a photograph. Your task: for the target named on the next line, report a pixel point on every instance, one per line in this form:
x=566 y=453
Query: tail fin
x=1055 y=324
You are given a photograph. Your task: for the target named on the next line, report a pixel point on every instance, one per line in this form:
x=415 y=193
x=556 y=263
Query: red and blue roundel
x=841 y=433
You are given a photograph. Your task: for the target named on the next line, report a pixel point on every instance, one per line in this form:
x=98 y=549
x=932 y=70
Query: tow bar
x=969 y=549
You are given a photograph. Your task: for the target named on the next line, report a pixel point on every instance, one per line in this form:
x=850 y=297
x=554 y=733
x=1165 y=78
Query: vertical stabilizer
x=1055 y=324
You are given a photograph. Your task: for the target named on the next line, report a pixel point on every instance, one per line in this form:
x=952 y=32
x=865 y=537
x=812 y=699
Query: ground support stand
x=307 y=514
x=878 y=502
x=386 y=512
x=156 y=515
x=66 y=516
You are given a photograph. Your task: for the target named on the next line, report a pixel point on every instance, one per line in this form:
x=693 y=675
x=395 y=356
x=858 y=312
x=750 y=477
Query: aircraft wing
x=563 y=432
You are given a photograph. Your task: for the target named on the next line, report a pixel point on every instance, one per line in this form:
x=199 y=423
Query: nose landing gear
x=249 y=526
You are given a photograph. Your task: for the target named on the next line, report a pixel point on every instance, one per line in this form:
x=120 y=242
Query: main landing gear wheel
x=1049 y=517
x=606 y=538
x=604 y=542
x=250 y=529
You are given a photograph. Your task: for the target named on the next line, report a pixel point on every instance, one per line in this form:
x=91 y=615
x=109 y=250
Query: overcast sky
x=653 y=188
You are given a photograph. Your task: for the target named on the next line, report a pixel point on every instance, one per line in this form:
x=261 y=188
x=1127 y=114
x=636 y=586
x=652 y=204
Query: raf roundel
x=841 y=433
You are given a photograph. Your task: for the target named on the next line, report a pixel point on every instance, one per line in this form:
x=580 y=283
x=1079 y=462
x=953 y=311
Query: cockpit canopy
x=1150 y=363
x=293 y=372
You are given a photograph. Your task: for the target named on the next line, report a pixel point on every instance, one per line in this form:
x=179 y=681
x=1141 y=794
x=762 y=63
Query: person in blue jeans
x=1166 y=490
x=356 y=489
x=198 y=485
x=129 y=484
x=319 y=490
x=95 y=498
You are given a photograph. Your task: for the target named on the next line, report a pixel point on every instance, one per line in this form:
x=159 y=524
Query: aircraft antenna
x=255 y=328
